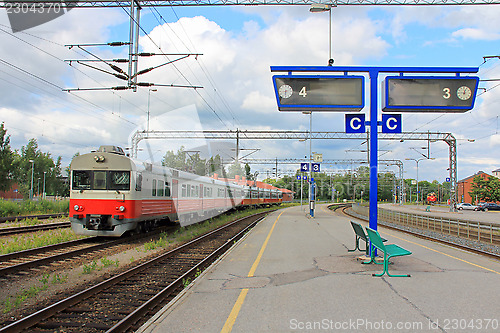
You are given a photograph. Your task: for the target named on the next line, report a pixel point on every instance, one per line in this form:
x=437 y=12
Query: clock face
x=285 y=91
x=464 y=93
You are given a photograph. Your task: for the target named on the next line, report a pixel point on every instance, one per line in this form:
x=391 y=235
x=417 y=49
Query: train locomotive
x=111 y=194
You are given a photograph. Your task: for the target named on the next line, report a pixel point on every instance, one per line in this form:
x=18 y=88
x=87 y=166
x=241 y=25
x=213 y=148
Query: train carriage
x=111 y=194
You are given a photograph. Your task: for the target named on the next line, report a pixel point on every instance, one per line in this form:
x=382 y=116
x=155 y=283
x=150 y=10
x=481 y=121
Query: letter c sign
x=355 y=123
x=392 y=123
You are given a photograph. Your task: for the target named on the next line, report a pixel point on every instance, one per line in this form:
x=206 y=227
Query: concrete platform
x=292 y=274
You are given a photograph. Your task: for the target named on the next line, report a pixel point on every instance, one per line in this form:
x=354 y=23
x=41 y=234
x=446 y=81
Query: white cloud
x=256 y=102
x=477 y=34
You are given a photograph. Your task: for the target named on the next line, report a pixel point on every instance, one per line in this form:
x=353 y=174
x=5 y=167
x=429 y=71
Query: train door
x=201 y=197
x=175 y=194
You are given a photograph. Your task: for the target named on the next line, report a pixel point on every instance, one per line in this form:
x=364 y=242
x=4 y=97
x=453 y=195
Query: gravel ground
x=68 y=277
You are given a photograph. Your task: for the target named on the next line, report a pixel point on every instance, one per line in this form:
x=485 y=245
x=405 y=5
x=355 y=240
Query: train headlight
x=76 y=208
x=99 y=158
x=121 y=208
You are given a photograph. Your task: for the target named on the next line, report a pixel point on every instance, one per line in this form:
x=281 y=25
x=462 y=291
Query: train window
x=138 y=182
x=81 y=180
x=153 y=188
x=167 y=189
x=99 y=180
x=184 y=191
x=160 y=188
x=188 y=191
x=119 y=180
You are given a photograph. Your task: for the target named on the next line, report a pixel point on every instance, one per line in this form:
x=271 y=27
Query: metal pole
x=311 y=194
x=149 y=96
x=136 y=45
x=32 y=171
x=330 y=37
x=418 y=194
x=373 y=149
x=131 y=43
x=43 y=195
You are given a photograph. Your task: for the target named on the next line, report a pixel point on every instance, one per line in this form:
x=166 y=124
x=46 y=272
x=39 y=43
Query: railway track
x=33 y=228
x=24 y=262
x=421 y=234
x=24 y=217
x=124 y=302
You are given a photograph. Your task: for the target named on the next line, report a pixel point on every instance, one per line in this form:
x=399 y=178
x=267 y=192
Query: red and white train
x=111 y=194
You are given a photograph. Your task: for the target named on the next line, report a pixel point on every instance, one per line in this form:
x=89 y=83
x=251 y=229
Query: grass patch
x=37 y=239
x=192 y=231
x=105 y=262
x=87 y=269
x=29 y=207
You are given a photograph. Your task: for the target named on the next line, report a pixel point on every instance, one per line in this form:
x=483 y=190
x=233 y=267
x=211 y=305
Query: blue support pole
x=373 y=148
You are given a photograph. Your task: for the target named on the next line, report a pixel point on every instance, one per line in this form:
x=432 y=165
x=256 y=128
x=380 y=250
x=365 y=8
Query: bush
x=28 y=207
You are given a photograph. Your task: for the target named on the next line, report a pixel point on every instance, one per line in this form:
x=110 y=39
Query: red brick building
x=12 y=194
x=464 y=186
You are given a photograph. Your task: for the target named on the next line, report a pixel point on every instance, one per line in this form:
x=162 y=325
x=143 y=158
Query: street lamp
x=319 y=8
x=301 y=176
x=149 y=96
x=418 y=160
x=43 y=195
x=32 y=171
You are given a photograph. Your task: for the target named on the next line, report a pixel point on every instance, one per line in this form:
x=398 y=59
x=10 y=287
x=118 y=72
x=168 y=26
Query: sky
x=236 y=47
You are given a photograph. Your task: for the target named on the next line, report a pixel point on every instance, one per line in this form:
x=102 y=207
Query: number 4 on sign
x=303 y=92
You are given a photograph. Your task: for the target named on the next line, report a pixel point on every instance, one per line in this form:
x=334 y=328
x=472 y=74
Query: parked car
x=488 y=206
x=466 y=206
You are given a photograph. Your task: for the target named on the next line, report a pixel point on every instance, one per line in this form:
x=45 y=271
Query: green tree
x=486 y=189
x=235 y=169
x=248 y=172
x=43 y=166
x=6 y=159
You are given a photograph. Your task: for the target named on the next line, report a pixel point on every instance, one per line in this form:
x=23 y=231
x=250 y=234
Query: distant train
x=112 y=194
x=431 y=198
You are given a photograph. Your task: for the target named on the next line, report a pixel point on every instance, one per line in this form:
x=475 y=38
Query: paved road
x=487 y=217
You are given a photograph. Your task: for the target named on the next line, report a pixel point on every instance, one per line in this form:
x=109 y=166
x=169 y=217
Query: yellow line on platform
x=228 y=326
x=445 y=254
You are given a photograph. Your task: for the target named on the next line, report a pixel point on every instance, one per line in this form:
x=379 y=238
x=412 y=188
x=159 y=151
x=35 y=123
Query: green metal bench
x=360 y=235
x=390 y=250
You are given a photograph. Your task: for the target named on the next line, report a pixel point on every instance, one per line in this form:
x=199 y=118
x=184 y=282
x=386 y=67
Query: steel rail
x=24 y=217
x=53 y=309
x=32 y=228
x=141 y=311
x=25 y=253
x=57 y=257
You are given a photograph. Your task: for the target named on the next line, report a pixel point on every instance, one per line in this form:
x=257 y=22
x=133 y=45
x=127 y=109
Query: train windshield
x=100 y=180
x=81 y=180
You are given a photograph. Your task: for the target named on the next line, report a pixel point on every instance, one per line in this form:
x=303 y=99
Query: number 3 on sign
x=446 y=93
x=303 y=92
